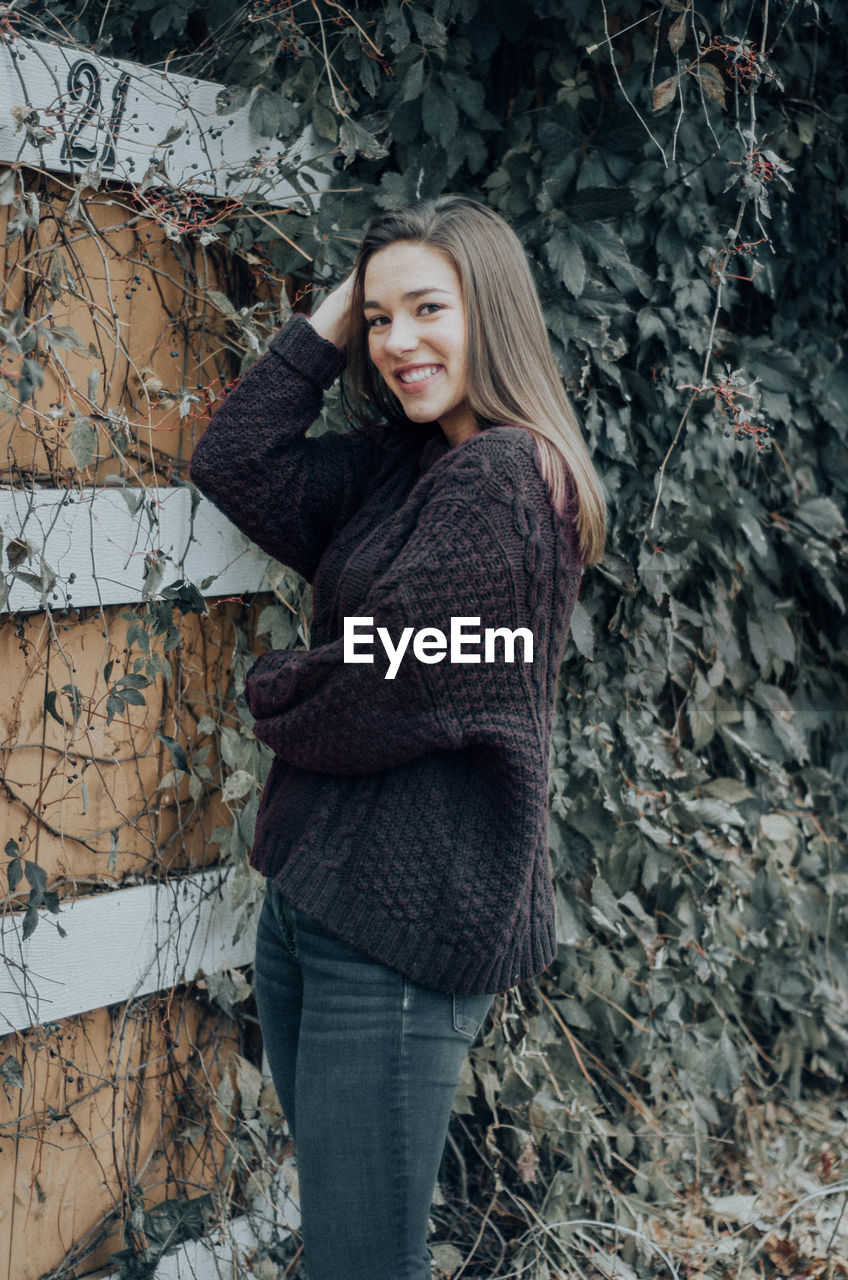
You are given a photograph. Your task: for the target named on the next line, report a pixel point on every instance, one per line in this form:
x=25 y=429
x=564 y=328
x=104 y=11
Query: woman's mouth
x=415 y=379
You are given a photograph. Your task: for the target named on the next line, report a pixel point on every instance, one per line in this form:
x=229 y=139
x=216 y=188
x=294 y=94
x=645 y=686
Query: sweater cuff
x=305 y=351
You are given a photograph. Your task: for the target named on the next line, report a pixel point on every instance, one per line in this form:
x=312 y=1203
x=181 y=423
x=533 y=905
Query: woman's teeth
x=418 y=375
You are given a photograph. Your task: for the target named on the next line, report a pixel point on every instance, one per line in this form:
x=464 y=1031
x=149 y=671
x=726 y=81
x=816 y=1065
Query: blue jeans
x=365 y=1064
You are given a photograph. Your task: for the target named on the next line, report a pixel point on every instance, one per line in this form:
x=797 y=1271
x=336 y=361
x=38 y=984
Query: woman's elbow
x=200 y=471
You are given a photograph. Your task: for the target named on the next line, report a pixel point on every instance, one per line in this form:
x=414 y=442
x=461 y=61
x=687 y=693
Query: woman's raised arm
x=287 y=492
x=332 y=318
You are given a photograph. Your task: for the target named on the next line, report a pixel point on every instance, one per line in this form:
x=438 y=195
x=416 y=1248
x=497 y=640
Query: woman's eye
x=426 y=308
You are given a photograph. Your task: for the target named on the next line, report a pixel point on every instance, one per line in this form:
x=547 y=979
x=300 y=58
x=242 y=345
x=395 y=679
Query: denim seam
x=288 y=928
x=402 y=1095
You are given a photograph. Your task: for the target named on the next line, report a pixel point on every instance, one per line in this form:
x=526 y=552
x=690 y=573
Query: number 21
x=84 y=82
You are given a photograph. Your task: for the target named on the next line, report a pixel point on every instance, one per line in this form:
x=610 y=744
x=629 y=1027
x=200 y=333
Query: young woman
x=403 y=826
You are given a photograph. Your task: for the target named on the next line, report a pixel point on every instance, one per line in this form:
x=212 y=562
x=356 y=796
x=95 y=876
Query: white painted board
x=225 y=1251
x=95 y=545
x=112 y=118
x=120 y=945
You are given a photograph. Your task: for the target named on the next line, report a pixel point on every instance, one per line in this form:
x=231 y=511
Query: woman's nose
x=402 y=336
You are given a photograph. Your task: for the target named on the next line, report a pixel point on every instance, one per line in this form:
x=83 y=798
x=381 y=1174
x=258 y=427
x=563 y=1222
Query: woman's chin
x=418 y=419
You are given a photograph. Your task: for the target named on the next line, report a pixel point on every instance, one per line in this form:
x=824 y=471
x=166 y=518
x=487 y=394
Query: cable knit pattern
x=408 y=815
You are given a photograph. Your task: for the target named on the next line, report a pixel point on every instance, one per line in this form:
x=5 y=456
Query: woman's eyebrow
x=413 y=293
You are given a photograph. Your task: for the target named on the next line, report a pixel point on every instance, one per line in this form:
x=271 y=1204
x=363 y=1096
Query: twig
x=627 y=1231
x=333 y=5
x=622 y=88
x=707 y=357
x=839 y=1189
x=590 y=48
x=327 y=63
x=836 y=1224
x=278 y=232
x=463 y=1172
x=569 y=1037
x=479 y=1235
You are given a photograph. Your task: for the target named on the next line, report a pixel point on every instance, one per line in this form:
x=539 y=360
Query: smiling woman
x=403 y=827
x=510 y=373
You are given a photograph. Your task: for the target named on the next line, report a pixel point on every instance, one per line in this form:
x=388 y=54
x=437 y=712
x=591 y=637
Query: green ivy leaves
x=20 y=868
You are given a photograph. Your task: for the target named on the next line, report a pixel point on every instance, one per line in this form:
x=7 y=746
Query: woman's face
x=417 y=337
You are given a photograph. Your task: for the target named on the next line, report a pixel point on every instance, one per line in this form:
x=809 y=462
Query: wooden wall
x=110 y=1110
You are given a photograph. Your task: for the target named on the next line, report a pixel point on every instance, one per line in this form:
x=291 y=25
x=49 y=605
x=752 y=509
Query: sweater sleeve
x=287 y=492
x=319 y=713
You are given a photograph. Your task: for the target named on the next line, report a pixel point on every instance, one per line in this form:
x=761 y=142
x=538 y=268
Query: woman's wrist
x=307 y=352
x=329 y=325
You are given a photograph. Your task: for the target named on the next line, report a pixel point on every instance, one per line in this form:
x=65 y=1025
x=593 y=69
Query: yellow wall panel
x=115 y=1111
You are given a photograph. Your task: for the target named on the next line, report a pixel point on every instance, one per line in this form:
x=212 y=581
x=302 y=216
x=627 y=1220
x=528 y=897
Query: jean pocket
x=469 y=1014
x=279 y=912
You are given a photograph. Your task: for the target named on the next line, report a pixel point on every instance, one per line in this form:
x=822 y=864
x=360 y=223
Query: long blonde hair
x=511 y=373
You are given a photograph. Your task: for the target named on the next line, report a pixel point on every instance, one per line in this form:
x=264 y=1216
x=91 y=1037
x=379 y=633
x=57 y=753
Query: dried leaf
x=775 y=826
x=528 y=1159
x=711 y=82
x=447 y=1258
x=237 y=786
x=17 y=552
x=249 y=1084
x=737 y=1207
x=221 y=301
x=225 y=1096
x=664 y=92
x=7 y=186
x=582 y=632
x=83 y=442
x=677 y=32
x=11 y=1073
x=353 y=139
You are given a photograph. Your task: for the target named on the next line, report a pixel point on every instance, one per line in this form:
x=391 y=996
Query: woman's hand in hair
x=332 y=318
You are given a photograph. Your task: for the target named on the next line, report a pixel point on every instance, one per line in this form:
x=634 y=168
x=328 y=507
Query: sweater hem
x=415 y=950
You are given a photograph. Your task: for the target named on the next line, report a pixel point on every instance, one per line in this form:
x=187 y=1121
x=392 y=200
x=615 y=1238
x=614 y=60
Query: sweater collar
x=435 y=446
x=433 y=449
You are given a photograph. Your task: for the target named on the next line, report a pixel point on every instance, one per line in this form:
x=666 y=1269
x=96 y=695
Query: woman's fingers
x=332 y=318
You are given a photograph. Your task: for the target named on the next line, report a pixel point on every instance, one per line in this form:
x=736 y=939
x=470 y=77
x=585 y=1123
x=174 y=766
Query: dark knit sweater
x=409 y=816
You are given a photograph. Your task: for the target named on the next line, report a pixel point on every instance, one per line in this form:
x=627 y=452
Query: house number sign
x=69 y=111
x=84 y=86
